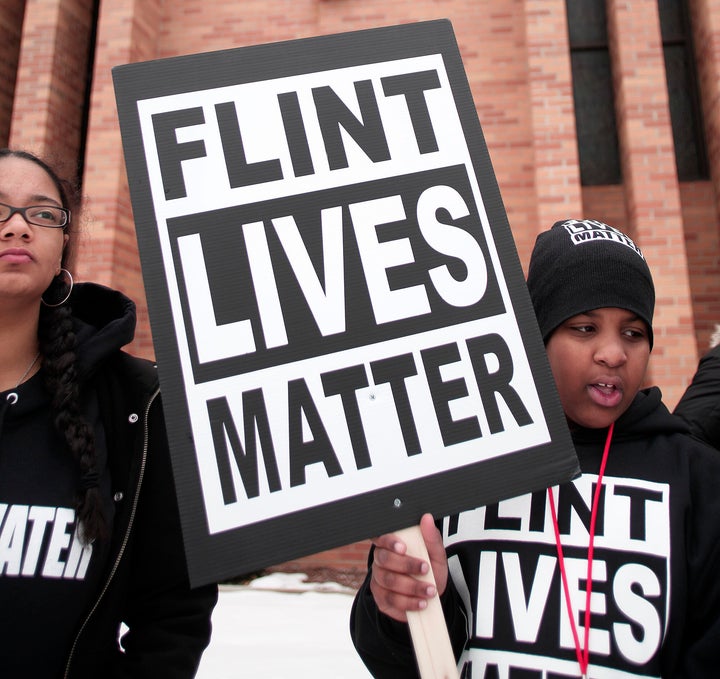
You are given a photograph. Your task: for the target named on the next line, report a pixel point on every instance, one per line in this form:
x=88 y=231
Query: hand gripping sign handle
x=428 y=630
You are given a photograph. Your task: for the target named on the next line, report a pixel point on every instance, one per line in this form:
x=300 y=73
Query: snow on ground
x=278 y=626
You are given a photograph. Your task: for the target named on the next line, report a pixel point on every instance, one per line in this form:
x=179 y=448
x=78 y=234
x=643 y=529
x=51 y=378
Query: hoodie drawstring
x=583 y=655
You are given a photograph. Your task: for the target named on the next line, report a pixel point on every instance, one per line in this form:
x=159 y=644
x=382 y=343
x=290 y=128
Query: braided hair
x=57 y=343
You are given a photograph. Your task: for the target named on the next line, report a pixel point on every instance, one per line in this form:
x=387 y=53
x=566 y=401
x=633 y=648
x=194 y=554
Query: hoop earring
x=67 y=297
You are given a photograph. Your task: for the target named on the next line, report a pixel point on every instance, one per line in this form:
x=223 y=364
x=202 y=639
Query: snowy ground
x=277 y=627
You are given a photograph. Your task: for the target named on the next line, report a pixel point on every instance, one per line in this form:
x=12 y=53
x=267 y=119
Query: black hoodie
x=75 y=599
x=655 y=608
x=699 y=406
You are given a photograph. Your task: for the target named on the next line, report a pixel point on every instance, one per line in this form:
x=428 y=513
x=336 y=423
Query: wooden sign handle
x=428 y=629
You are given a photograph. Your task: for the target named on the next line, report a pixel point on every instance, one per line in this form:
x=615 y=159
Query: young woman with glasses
x=89 y=528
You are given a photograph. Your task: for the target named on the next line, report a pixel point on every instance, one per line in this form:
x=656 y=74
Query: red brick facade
x=516 y=56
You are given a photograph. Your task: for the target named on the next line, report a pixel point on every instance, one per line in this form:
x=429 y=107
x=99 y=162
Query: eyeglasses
x=50 y=216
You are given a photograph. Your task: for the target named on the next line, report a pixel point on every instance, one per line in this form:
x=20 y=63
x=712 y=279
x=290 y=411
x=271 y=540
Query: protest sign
x=340 y=318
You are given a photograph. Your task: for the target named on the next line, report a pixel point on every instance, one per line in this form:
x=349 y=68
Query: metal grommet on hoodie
x=10 y=400
x=118 y=496
x=133 y=418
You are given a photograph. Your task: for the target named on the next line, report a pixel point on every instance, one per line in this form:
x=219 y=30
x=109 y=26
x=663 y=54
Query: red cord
x=583 y=657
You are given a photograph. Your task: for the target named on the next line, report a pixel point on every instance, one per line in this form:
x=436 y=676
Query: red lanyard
x=583 y=655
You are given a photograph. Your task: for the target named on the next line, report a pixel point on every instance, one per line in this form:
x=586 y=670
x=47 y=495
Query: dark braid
x=57 y=345
x=56 y=339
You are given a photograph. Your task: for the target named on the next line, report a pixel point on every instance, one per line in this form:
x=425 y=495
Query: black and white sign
x=341 y=322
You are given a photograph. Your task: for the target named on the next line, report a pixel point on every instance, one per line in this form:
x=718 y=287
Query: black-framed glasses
x=51 y=216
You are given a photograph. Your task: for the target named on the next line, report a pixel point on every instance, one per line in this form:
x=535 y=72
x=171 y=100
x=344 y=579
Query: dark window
x=685 y=111
x=593 y=93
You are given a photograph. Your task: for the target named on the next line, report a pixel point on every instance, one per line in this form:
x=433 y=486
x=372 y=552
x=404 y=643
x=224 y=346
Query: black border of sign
x=249 y=548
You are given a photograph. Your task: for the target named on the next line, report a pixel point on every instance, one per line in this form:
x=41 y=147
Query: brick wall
x=11 y=15
x=127 y=32
x=705 y=16
x=48 y=106
x=702 y=246
x=516 y=58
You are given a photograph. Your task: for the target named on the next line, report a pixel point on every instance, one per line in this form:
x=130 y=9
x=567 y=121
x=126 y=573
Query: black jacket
x=146 y=585
x=656 y=594
x=700 y=404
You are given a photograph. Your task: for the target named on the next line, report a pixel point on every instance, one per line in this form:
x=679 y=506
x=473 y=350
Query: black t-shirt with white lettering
x=48 y=578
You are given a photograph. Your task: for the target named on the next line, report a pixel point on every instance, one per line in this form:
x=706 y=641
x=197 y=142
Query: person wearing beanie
x=578 y=266
x=613 y=574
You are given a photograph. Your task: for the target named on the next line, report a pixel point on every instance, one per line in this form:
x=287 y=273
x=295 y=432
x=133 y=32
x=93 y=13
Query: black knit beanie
x=580 y=265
